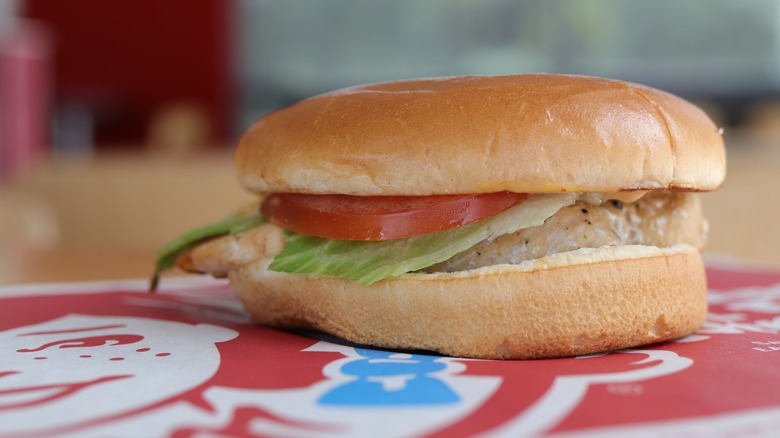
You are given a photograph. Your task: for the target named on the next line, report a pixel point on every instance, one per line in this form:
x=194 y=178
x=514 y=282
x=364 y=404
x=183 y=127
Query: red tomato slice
x=347 y=217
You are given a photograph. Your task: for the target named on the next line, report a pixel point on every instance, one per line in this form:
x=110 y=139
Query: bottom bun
x=579 y=302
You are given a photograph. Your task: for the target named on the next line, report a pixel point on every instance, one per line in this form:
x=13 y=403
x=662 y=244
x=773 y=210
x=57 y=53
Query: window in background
x=721 y=51
x=123 y=71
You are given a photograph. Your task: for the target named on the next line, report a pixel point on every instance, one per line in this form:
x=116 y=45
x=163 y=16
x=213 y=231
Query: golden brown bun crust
x=572 y=303
x=523 y=133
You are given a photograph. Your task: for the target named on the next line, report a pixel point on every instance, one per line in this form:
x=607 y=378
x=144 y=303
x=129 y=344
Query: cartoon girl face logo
x=81 y=370
x=142 y=372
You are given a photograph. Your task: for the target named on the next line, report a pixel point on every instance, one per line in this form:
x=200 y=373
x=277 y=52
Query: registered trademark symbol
x=625 y=389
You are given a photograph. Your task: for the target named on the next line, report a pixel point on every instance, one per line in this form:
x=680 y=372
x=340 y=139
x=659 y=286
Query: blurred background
x=118 y=119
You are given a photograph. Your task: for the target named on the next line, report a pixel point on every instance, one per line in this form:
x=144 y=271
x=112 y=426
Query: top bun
x=524 y=133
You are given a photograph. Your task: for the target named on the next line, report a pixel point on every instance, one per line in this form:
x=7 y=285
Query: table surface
x=20 y=264
x=105 y=218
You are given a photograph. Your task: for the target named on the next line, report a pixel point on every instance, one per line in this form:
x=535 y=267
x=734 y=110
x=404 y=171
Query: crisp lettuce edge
x=366 y=261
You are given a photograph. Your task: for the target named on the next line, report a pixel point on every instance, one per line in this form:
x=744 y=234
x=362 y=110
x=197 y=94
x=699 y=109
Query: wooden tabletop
x=104 y=219
x=19 y=264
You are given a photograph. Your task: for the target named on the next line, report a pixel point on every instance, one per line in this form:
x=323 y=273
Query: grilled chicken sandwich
x=504 y=217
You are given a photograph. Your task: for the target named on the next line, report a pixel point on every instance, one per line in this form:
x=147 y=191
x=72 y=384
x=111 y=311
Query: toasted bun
x=567 y=304
x=523 y=133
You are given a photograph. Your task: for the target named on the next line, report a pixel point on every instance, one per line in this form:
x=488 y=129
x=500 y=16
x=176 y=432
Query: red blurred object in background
x=25 y=52
x=126 y=61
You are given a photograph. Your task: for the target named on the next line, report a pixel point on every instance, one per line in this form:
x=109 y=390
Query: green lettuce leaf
x=236 y=223
x=369 y=262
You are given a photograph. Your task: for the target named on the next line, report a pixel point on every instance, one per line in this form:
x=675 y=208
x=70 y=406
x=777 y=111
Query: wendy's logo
x=139 y=376
x=186 y=363
x=81 y=370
